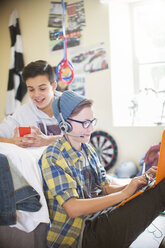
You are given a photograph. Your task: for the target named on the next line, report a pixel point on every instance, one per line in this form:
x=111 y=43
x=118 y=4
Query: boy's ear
x=54 y=85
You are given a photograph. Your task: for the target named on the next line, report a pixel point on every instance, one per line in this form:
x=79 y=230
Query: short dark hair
x=84 y=104
x=36 y=68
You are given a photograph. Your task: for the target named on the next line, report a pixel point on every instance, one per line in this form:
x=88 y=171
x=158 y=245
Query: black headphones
x=65 y=126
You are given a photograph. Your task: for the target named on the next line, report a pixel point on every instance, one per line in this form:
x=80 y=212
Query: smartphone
x=24 y=130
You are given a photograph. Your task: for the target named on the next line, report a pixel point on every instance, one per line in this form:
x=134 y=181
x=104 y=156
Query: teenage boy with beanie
x=41 y=86
x=81 y=199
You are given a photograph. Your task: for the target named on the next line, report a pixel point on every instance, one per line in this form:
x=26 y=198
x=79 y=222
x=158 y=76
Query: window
x=137 y=54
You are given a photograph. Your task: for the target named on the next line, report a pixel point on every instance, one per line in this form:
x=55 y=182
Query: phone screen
x=24 y=130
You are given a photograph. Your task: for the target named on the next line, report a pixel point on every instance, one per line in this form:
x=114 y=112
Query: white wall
x=132 y=142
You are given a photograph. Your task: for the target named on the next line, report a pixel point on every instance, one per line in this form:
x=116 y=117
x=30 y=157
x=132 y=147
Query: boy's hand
x=19 y=141
x=37 y=138
x=135 y=184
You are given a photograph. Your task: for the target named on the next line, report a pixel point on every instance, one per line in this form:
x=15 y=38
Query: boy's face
x=78 y=129
x=40 y=91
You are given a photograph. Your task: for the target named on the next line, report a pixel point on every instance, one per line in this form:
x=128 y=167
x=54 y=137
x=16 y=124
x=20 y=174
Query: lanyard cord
x=63 y=20
x=64 y=62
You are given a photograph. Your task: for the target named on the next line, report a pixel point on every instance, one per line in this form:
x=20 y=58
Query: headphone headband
x=65 y=126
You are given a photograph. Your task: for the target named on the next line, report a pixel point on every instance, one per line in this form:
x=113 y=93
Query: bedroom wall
x=132 y=142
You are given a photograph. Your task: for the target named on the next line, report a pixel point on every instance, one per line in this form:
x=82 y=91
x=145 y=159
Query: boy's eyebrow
x=39 y=85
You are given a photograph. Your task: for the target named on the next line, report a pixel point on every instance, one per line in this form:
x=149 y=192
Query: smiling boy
x=41 y=87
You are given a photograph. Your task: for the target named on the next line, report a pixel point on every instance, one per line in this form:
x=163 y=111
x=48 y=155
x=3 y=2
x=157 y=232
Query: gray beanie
x=68 y=101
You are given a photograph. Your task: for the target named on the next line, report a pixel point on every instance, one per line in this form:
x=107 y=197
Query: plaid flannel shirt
x=61 y=168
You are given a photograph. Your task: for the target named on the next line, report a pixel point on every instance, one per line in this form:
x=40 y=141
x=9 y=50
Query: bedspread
x=26 y=161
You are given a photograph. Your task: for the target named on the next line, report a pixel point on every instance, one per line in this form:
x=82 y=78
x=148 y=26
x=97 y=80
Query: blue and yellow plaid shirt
x=61 y=167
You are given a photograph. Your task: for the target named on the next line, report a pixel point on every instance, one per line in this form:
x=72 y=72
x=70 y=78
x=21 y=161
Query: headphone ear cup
x=63 y=126
x=66 y=127
x=69 y=127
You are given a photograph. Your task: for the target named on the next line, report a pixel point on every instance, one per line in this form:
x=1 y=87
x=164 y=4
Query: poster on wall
x=75 y=16
x=90 y=59
x=74 y=23
x=56 y=41
x=78 y=84
x=55 y=15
